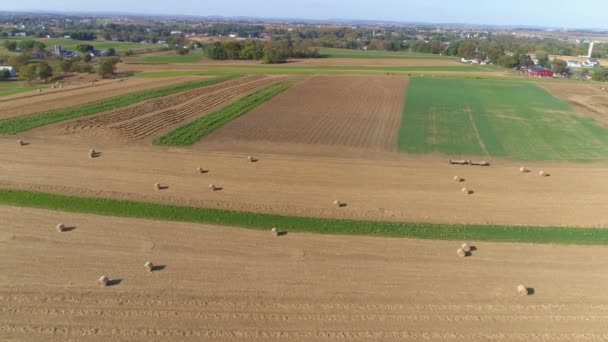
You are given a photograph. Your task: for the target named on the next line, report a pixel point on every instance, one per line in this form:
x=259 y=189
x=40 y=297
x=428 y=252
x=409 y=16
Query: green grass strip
x=27 y=122
x=194 y=131
x=496 y=233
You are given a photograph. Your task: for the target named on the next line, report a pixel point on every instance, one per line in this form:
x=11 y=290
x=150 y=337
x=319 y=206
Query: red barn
x=540 y=72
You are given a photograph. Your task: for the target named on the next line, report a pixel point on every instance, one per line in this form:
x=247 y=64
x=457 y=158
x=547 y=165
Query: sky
x=547 y=13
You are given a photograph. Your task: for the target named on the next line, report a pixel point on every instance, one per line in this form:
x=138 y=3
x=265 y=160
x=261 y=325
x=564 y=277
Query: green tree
x=85 y=48
x=65 y=65
x=559 y=66
x=18 y=61
x=467 y=50
x=27 y=73
x=10 y=45
x=107 y=66
x=5 y=74
x=600 y=74
x=273 y=56
x=44 y=71
x=87 y=58
x=543 y=58
x=111 y=52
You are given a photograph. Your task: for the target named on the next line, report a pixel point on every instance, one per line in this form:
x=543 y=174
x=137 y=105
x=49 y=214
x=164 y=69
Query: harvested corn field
x=76 y=95
x=144 y=119
x=220 y=284
x=353 y=111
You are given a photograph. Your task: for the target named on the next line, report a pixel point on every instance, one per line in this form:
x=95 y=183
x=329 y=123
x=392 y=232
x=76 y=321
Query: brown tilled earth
x=397 y=188
x=346 y=110
x=230 y=284
x=75 y=95
x=588 y=99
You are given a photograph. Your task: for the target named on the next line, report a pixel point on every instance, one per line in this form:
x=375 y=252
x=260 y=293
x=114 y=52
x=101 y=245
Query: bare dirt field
x=587 y=98
x=372 y=62
x=404 y=188
x=144 y=119
x=228 y=284
x=79 y=94
x=353 y=111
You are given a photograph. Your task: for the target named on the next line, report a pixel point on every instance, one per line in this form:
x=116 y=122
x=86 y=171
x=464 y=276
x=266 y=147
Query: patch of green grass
x=327 y=70
x=197 y=129
x=377 y=54
x=518 y=120
x=190 y=58
x=497 y=233
x=24 y=123
x=11 y=88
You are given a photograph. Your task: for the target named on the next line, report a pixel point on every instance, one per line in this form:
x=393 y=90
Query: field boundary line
x=152 y=211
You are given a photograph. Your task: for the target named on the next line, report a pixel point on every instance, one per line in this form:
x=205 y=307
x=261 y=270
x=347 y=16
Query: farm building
x=540 y=72
x=10 y=69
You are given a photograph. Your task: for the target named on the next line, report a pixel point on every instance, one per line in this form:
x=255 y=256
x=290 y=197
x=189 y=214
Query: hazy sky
x=558 y=13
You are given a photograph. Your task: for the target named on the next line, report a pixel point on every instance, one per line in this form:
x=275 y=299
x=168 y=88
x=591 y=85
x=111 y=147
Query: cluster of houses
x=61 y=52
x=474 y=61
x=588 y=64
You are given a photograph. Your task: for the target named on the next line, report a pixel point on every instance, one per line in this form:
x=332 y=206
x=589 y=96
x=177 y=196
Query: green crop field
x=327 y=70
x=12 y=87
x=27 y=122
x=190 y=58
x=99 y=206
x=377 y=54
x=517 y=120
x=197 y=129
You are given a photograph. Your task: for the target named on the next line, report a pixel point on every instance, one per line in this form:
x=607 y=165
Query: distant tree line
x=256 y=50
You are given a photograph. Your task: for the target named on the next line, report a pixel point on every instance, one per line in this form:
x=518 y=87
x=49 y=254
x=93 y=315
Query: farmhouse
x=540 y=72
x=10 y=69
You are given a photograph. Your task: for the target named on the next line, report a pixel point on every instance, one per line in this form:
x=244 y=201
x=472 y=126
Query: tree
x=10 y=45
x=27 y=73
x=84 y=48
x=65 y=65
x=273 y=56
x=467 y=50
x=44 y=71
x=5 y=74
x=18 y=61
x=543 y=58
x=87 y=58
x=107 y=66
x=559 y=66
x=111 y=52
x=600 y=74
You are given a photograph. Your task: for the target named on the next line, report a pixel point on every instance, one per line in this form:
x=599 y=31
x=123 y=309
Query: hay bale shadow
x=473 y=248
x=531 y=291
x=158 y=268
x=342 y=205
x=218 y=188
x=113 y=282
x=23 y=143
x=253 y=160
x=281 y=233
x=96 y=155
x=163 y=187
x=68 y=229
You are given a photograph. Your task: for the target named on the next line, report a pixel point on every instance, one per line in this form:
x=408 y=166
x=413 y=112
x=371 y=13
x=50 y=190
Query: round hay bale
x=457 y=179
x=250 y=158
x=92 y=151
x=522 y=290
x=40 y=90
x=466 y=191
x=60 y=227
x=212 y=187
x=523 y=169
x=103 y=280
x=200 y=170
x=337 y=203
x=149 y=266
x=542 y=173
x=61 y=86
x=466 y=247
x=461 y=253
x=275 y=231
x=157 y=186
x=91 y=155
x=20 y=142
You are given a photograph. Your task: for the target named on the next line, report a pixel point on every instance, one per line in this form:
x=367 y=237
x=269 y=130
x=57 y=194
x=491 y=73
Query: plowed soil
x=353 y=111
x=414 y=189
x=588 y=100
x=75 y=95
x=228 y=284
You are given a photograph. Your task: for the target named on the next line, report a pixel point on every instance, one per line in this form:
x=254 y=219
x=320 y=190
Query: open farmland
x=461 y=117
x=352 y=111
x=143 y=119
x=220 y=283
x=378 y=54
x=79 y=94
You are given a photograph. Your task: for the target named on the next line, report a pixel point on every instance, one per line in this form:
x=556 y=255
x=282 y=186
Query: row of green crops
x=110 y=207
x=196 y=130
x=27 y=122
